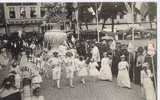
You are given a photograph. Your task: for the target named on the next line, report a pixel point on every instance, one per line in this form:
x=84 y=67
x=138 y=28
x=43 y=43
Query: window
x=12 y=12
x=22 y=12
x=33 y=12
x=43 y=11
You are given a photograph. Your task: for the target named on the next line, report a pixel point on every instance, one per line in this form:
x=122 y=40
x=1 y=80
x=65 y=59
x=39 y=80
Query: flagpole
x=76 y=13
x=132 y=21
x=97 y=21
x=133 y=35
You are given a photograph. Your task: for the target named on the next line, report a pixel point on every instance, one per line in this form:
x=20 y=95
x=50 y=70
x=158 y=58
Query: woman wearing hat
x=146 y=82
x=123 y=73
x=105 y=71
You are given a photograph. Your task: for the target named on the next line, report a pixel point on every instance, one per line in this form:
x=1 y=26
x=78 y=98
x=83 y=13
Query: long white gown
x=105 y=71
x=147 y=85
x=123 y=74
x=95 y=54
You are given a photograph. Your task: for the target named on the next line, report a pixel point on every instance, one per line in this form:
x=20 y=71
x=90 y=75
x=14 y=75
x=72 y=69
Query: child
x=82 y=69
x=56 y=69
x=146 y=82
x=69 y=67
x=105 y=71
x=123 y=74
x=92 y=69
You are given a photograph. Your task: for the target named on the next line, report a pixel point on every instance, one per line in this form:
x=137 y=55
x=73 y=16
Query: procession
x=71 y=58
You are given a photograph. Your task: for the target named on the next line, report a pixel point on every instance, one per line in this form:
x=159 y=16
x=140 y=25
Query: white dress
x=105 y=71
x=147 y=84
x=93 y=70
x=23 y=61
x=69 y=67
x=82 y=69
x=123 y=75
x=56 y=68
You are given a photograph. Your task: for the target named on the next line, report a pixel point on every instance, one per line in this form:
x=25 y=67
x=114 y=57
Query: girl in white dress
x=123 y=73
x=56 y=69
x=105 y=71
x=92 y=69
x=82 y=69
x=70 y=68
x=24 y=60
x=146 y=82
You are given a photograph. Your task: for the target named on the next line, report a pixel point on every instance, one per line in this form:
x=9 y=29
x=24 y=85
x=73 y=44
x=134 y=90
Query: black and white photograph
x=78 y=50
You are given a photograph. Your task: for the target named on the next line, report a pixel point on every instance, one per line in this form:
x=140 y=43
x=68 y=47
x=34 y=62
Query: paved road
x=99 y=90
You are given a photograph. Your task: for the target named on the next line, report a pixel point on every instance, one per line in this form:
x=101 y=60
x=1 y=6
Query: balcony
x=25 y=21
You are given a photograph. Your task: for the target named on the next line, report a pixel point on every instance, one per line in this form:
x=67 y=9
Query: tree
x=110 y=11
x=152 y=12
x=85 y=16
x=56 y=12
x=148 y=9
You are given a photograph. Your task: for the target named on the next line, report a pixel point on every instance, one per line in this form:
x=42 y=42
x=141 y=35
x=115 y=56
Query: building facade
x=23 y=16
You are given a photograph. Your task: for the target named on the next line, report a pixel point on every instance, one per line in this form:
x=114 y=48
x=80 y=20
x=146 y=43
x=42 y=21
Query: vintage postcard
x=54 y=50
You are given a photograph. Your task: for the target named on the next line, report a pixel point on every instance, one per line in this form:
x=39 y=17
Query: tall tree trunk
x=104 y=22
x=112 y=24
x=150 y=23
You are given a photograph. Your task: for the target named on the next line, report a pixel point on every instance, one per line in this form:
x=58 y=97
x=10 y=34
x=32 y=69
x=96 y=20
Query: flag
x=90 y=9
x=144 y=9
x=100 y=7
x=138 y=5
x=129 y=9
